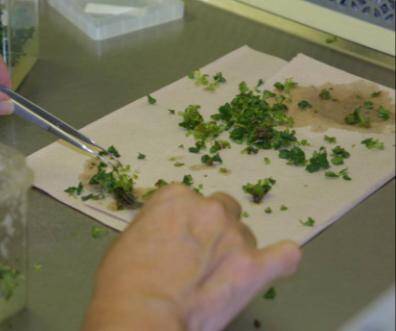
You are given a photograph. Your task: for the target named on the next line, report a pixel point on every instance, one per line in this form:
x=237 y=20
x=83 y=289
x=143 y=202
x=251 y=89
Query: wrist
x=133 y=313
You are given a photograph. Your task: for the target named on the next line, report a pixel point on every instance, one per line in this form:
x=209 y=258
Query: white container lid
x=103 y=19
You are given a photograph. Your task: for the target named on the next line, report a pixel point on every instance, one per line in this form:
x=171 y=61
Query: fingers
x=229 y=204
x=278 y=261
x=6 y=107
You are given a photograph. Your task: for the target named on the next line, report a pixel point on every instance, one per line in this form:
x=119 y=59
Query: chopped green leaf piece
x=330 y=140
x=259 y=190
x=151 y=100
x=331 y=174
x=270 y=294
x=279 y=86
x=369 y=105
x=38 y=267
x=383 y=113
x=325 y=94
x=250 y=150
x=219 y=78
x=9 y=281
x=284 y=208
x=259 y=83
x=98 y=232
x=161 y=183
x=245 y=214
x=372 y=143
x=345 y=175
x=376 y=94
x=141 y=156
x=111 y=151
x=199 y=145
x=304 y=142
x=219 y=145
x=304 y=105
x=318 y=161
x=358 y=118
x=267 y=160
x=172 y=111
x=191 y=117
x=268 y=210
x=295 y=156
x=289 y=85
x=179 y=164
x=188 y=180
x=310 y=222
x=75 y=191
x=224 y=171
x=92 y=196
x=331 y=40
x=339 y=155
x=212 y=160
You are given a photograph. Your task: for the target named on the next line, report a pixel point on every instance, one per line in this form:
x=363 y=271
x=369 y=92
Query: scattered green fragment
x=372 y=143
x=38 y=267
x=369 y=105
x=268 y=210
x=259 y=190
x=344 y=174
x=199 y=145
x=289 y=85
x=270 y=294
x=179 y=164
x=188 y=180
x=204 y=80
x=284 y=208
x=325 y=94
x=250 y=150
x=295 y=156
x=191 y=117
x=9 y=281
x=267 y=160
x=98 y=232
x=245 y=214
x=330 y=140
x=257 y=324
x=224 y=171
x=310 y=222
x=141 y=156
x=172 y=111
x=212 y=160
x=358 y=118
x=92 y=196
x=376 y=94
x=383 y=113
x=304 y=142
x=219 y=145
x=318 y=161
x=331 y=40
x=259 y=84
x=304 y=105
x=219 y=78
x=339 y=155
x=112 y=151
x=151 y=100
x=75 y=190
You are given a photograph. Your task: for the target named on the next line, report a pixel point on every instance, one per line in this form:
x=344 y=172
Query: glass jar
x=19 y=37
x=15 y=180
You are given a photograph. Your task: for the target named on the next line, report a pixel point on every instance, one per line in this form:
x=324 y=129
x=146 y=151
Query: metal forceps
x=45 y=120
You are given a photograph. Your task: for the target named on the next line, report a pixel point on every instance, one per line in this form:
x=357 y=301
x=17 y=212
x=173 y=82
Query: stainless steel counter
x=346 y=267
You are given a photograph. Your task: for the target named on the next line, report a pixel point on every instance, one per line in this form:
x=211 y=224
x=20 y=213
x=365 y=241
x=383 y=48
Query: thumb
x=278 y=261
x=6 y=107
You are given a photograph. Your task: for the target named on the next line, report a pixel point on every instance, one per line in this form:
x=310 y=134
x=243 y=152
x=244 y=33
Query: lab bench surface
x=79 y=80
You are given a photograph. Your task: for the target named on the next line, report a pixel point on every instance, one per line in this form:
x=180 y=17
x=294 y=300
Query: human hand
x=186 y=263
x=5 y=105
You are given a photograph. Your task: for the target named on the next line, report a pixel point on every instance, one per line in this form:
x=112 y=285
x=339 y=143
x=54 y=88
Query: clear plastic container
x=103 y=19
x=15 y=180
x=19 y=36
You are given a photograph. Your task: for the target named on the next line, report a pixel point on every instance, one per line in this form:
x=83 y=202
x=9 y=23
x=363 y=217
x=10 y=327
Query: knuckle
x=176 y=189
x=215 y=208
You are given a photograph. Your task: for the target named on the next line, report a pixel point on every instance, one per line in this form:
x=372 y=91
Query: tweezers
x=33 y=113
